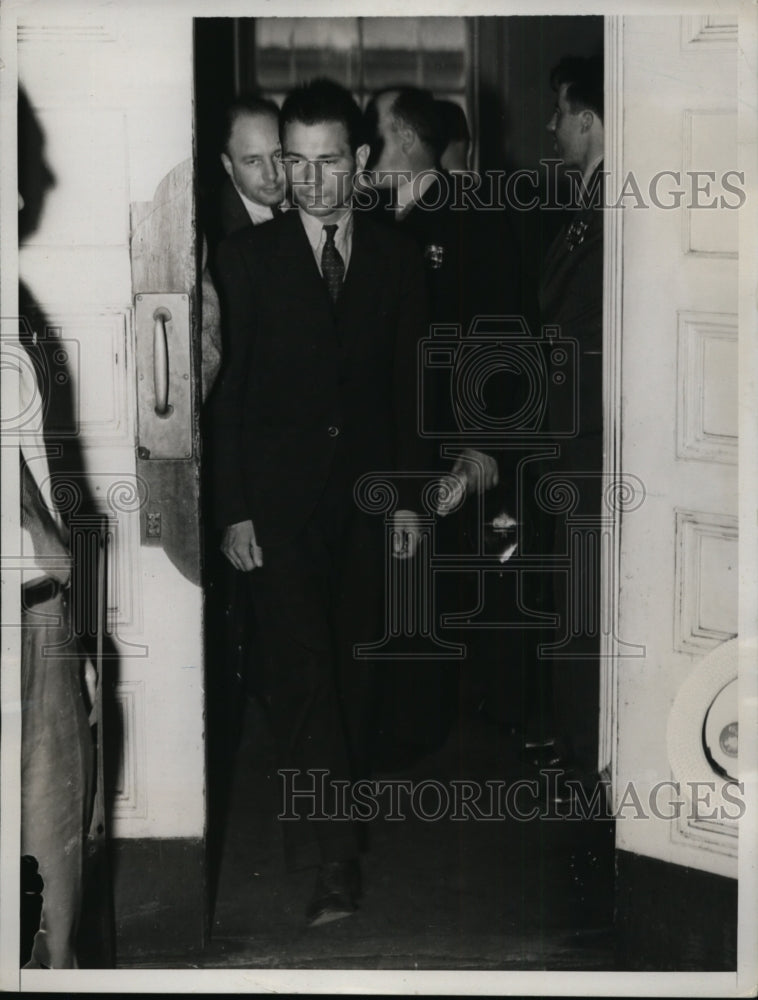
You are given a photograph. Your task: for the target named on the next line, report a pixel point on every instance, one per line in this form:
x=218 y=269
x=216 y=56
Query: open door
x=672 y=370
x=111 y=264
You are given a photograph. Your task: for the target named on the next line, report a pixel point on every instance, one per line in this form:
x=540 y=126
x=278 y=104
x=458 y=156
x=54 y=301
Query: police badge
x=434 y=254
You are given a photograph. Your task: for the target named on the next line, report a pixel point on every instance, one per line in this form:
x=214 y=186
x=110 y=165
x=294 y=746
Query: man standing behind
x=571 y=297
x=251 y=193
x=471 y=270
x=254 y=188
x=324 y=311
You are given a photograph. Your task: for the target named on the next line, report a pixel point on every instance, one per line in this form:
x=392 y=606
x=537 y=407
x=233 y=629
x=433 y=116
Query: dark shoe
x=335 y=893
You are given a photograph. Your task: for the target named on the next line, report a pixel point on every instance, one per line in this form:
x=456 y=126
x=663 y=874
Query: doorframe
x=610 y=570
x=10 y=525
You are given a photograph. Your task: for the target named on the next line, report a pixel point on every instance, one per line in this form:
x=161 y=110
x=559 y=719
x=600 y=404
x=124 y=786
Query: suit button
x=333 y=432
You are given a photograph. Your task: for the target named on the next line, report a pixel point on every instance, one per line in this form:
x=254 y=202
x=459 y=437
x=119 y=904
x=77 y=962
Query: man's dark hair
x=418 y=109
x=453 y=124
x=584 y=79
x=323 y=100
x=246 y=104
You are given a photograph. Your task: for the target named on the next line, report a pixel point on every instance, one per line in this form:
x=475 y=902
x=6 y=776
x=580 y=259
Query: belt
x=40 y=591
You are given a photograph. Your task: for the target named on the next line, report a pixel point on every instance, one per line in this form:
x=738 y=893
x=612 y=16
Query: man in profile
x=471 y=270
x=571 y=298
x=325 y=309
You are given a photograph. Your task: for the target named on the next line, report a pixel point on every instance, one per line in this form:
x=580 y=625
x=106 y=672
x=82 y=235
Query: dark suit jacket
x=221 y=215
x=571 y=296
x=479 y=269
x=477 y=276
x=303 y=376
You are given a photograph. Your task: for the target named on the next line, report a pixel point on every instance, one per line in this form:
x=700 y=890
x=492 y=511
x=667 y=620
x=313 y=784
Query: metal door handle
x=160 y=362
x=163 y=338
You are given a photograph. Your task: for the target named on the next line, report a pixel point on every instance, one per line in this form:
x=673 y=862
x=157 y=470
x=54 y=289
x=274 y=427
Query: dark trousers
x=576 y=598
x=315 y=597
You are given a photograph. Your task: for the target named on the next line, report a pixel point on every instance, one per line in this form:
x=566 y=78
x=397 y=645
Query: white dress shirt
x=343 y=238
x=258 y=213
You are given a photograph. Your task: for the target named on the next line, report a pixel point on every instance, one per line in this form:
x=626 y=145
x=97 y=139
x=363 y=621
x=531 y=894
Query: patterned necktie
x=332 y=265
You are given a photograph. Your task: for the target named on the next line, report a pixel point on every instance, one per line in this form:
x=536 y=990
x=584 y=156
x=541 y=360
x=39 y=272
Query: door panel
x=678 y=549
x=114 y=103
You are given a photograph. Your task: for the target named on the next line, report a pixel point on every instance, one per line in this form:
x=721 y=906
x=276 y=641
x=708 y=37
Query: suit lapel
x=366 y=276
x=298 y=265
x=233 y=213
x=363 y=282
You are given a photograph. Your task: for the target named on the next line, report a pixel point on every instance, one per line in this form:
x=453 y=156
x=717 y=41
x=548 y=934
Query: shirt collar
x=314 y=228
x=591 y=168
x=258 y=213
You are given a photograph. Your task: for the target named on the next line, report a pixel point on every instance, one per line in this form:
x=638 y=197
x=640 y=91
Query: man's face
x=320 y=166
x=566 y=126
x=390 y=157
x=253 y=158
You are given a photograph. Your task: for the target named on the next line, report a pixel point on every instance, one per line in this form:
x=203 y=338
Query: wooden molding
x=696 y=333
x=717 y=241
x=129 y=791
x=709 y=30
x=612 y=362
x=693 y=631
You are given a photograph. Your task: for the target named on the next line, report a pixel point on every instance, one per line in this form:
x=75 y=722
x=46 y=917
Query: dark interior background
x=497 y=68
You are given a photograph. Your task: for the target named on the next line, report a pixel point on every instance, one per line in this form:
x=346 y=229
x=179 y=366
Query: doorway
x=505 y=894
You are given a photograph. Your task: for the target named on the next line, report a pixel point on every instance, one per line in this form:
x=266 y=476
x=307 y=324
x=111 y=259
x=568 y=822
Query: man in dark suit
x=254 y=187
x=471 y=270
x=251 y=193
x=324 y=310
x=471 y=263
x=571 y=298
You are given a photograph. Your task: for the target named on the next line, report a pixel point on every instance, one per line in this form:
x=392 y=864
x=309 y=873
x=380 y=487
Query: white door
x=674 y=373
x=111 y=263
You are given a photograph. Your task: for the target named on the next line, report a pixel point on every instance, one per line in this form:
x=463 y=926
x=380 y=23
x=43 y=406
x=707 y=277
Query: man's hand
x=478 y=470
x=473 y=471
x=405 y=534
x=240 y=547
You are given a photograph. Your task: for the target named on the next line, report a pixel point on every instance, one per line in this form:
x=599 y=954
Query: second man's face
x=569 y=142
x=253 y=158
x=321 y=167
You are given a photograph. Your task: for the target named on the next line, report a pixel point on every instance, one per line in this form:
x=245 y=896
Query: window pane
x=443 y=70
x=363 y=53
x=383 y=67
x=391 y=32
x=339 y=33
x=274 y=32
x=442 y=33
